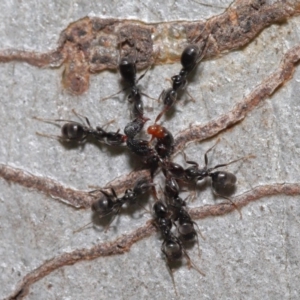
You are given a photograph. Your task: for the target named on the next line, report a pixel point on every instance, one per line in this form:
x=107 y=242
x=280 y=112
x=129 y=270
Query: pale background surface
x=254 y=258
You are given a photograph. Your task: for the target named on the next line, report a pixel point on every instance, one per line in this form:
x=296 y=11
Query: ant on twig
x=190 y=57
x=127 y=69
x=112 y=204
x=220 y=180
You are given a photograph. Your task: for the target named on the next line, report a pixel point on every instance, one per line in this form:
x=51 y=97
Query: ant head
x=134 y=127
x=192 y=173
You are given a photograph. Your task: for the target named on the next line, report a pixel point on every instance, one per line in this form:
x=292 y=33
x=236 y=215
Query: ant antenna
x=82 y=228
x=232 y=203
x=231 y=162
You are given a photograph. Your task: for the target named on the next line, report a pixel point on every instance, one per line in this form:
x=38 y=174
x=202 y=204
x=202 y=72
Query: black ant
x=221 y=180
x=78 y=132
x=111 y=204
x=127 y=68
x=190 y=57
x=185 y=225
x=171 y=247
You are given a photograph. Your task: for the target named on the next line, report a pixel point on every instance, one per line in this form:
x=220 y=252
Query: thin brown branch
x=91 y=45
x=56 y=190
x=124 y=243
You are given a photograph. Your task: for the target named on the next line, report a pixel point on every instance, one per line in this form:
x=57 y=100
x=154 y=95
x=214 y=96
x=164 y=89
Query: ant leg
x=148 y=96
x=113 y=218
x=81 y=228
x=199 y=252
x=144 y=208
x=79 y=116
x=169 y=269
x=205 y=155
x=194 y=193
x=94 y=191
x=108 y=123
x=190 y=162
x=54 y=122
x=142 y=76
x=232 y=203
x=191 y=263
x=199 y=230
x=51 y=136
x=204 y=51
x=113 y=190
x=166 y=107
x=110 y=96
x=192 y=98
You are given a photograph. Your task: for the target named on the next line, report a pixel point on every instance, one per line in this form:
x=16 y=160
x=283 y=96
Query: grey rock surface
x=253 y=258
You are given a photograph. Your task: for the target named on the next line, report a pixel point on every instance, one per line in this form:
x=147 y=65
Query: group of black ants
x=156 y=155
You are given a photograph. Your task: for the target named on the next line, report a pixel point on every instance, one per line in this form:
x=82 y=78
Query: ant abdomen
x=176 y=170
x=222 y=180
x=73 y=131
x=172 y=249
x=186 y=230
x=128 y=70
x=189 y=57
x=103 y=206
